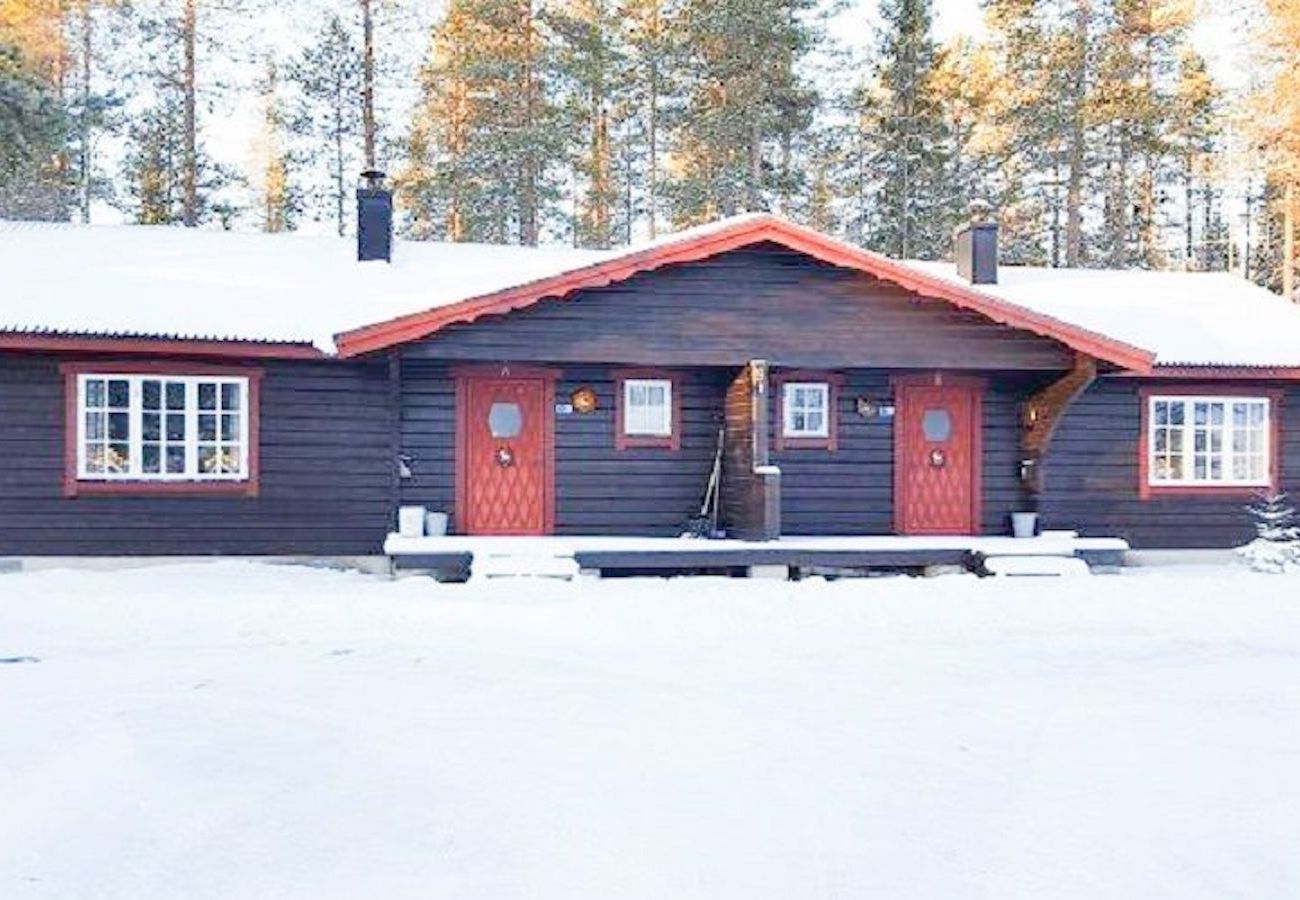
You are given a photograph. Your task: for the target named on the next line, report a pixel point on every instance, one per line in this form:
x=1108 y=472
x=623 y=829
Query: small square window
x=648 y=407
x=806 y=409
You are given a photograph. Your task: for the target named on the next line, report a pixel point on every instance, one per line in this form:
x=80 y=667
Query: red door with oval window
x=937 y=455
x=505 y=450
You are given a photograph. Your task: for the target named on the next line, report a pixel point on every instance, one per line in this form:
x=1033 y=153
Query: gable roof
x=732 y=234
x=165 y=289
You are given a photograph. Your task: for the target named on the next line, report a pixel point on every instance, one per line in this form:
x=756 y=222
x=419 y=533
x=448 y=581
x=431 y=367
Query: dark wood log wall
x=1091 y=476
x=599 y=489
x=325 y=474
x=761 y=303
x=850 y=490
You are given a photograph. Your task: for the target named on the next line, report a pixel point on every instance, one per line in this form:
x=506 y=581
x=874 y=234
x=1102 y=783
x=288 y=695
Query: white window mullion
x=135 y=426
x=191 y=428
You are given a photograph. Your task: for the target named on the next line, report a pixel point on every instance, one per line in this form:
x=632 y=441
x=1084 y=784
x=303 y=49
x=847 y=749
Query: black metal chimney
x=374 y=218
x=977 y=246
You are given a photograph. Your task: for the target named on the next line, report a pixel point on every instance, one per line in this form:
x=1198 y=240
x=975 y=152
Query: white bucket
x=410 y=521
x=435 y=524
x=1024 y=524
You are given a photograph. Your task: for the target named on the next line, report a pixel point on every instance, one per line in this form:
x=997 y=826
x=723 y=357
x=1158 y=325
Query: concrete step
x=523 y=565
x=1019 y=566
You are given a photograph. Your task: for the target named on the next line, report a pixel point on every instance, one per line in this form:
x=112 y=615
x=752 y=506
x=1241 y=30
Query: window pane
x=152 y=458
x=207 y=427
x=119 y=394
x=175 y=427
x=230 y=429
x=175 y=395
x=152 y=427
x=95 y=426
x=936 y=425
x=118 y=426
x=505 y=420
x=117 y=458
x=230 y=397
x=151 y=394
x=95 y=393
x=207 y=395
x=648 y=408
x=175 y=460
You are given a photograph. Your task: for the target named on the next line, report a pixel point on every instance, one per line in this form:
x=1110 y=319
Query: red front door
x=936 y=458
x=505 y=478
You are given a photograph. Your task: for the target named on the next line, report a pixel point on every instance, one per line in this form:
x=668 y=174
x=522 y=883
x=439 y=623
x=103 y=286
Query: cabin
x=177 y=393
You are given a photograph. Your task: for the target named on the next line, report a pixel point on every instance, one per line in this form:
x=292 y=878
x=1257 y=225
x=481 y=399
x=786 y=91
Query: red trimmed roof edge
x=711 y=242
x=145 y=346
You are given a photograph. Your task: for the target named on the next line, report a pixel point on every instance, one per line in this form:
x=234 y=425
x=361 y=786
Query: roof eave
x=158 y=346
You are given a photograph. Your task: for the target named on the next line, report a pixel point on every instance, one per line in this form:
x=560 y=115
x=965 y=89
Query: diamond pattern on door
x=506 y=463
x=935 y=447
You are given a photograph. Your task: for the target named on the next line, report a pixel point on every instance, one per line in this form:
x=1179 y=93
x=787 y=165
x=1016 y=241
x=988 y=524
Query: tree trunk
x=84 y=157
x=528 y=226
x=1288 y=242
x=368 y=82
x=1077 y=141
x=754 y=195
x=190 y=163
x=340 y=99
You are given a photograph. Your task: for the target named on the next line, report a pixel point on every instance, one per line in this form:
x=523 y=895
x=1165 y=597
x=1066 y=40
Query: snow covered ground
x=234 y=730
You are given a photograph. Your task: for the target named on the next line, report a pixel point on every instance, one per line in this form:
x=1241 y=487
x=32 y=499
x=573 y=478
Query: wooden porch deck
x=457 y=557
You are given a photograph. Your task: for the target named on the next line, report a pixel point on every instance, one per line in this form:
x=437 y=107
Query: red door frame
x=547 y=377
x=975 y=385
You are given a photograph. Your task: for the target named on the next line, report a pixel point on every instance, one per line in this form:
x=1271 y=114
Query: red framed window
x=1208 y=441
x=807 y=410
x=160 y=428
x=648 y=409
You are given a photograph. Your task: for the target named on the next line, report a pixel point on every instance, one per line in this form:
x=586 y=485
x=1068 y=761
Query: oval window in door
x=505 y=420
x=936 y=425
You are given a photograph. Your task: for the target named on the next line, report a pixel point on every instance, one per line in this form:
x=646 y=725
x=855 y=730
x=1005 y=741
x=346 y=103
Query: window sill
x=805 y=443
x=1204 y=490
x=160 y=489
x=646 y=442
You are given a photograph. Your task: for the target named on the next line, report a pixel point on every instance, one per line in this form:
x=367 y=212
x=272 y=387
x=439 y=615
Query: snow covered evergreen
x=1276 y=547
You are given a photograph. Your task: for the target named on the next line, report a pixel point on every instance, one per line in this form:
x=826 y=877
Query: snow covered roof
x=173 y=283
x=1185 y=318
x=157 y=281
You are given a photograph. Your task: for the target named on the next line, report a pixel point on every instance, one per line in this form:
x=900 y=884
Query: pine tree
x=279 y=195
x=651 y=40
x=1046 y=52
x=484 y=146
x=593 y=72
x=1276 y=548
x=1195 y=140
x=32 y=127
x=328 y=76
x=746 y=103
x=168 y=174
x=908 y=139
x=1274 y=124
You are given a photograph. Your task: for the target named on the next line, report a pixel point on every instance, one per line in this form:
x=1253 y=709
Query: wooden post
x=1288 y=243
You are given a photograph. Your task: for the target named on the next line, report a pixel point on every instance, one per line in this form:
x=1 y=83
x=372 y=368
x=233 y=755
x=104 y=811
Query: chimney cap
x=980 y=211
x=374 y=178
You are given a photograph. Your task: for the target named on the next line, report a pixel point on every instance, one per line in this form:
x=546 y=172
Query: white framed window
x=147 y=427
x=806 y=409
x=648 y=407
x=1208 y=440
